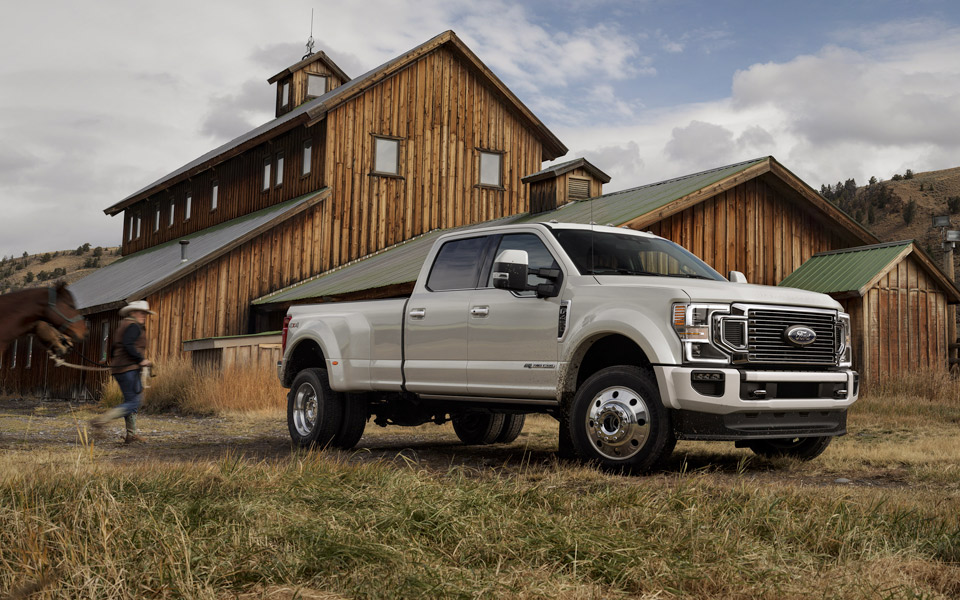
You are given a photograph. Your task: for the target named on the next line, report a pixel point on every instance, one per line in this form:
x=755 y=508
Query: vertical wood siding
x=754 y=229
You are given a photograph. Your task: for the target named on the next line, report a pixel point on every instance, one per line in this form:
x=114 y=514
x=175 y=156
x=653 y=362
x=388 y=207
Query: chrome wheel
x=617 y=423
x=305 y=409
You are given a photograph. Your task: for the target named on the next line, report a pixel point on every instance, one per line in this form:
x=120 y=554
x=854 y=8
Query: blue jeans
x=132 y=389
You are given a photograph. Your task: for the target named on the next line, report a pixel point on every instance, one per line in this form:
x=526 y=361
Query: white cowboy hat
x=140 y=305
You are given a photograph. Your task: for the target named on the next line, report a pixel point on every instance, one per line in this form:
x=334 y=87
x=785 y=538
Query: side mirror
x=737 y=277
x=510 y=270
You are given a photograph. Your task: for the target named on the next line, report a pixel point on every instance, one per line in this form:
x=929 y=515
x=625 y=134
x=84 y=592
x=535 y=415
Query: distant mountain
x=902 y=208
x=47 y=268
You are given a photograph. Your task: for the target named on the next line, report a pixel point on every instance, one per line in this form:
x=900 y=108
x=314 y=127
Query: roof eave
x=207 y=164
x=321 y=56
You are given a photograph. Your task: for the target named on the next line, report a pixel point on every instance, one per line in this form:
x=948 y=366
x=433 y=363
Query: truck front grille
x=767 y=342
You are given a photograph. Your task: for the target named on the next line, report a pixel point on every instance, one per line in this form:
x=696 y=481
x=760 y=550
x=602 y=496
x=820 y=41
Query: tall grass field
x=877 y=516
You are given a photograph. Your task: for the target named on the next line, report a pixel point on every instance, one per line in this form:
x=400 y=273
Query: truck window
x=457 y=266
x=537 y=254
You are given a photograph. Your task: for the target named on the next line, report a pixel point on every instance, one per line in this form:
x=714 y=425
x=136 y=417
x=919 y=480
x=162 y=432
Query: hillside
x=38 y=270
x=884 y=207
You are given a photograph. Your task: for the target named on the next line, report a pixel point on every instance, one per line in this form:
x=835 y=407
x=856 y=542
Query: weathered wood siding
x=443 y=115
x=549 y=194
x=755 y=229
x=240 y=190
x=298 y=85
x=903 y=324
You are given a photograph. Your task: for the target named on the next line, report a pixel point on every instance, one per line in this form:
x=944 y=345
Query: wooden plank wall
x=754 y=229
x=904 y=323
x=240 y=190
x=543 y=195
x=442 y=113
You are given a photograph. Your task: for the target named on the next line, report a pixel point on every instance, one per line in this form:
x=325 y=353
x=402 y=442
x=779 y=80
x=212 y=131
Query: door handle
x=418 y=313
x=480 y=311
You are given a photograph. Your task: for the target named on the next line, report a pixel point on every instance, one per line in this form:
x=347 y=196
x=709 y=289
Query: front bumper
x=730 y=404
x=756 y=391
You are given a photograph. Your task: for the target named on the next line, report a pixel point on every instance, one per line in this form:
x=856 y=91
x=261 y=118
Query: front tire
x=807 y=448
x=616 y=420
x=314 y=410
x=478 y=428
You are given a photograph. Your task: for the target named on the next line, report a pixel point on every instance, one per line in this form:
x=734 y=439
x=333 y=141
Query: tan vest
x=120 y=360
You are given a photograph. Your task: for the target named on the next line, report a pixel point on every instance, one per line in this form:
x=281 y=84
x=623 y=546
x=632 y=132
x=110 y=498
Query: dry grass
x=235 y=390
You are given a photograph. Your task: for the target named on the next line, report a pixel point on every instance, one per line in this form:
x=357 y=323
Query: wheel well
x=607 y=351
x=305 y=355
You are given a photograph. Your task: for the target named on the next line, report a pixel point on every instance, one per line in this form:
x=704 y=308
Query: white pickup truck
x=630 y=341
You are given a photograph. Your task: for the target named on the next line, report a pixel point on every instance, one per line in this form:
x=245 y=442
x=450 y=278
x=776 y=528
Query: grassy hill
x=39 y=270
x=902 y=208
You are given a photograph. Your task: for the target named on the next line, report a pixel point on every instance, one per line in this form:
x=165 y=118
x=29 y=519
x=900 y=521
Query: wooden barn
x=564 y=182
x=430 y=139
x=897 y=299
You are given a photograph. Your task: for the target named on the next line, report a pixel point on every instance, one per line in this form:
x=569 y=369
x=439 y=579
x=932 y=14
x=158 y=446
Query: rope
x=62 y=363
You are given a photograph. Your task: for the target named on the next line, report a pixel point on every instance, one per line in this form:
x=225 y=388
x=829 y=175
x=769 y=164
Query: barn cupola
x=564 y=182
x=315 y=75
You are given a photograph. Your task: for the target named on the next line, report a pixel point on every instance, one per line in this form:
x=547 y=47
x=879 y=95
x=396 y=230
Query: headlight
x=693 y=324
x=844 y=349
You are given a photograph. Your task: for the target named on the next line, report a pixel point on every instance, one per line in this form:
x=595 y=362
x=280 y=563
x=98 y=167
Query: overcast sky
x=100 y=98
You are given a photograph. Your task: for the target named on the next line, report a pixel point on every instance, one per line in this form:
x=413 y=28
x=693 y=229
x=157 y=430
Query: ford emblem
x=800 y=336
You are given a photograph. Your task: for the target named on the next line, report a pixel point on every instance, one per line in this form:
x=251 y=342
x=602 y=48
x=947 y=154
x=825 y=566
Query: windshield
x=604 y=253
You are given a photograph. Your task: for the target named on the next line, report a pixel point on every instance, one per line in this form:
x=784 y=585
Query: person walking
x=126 y=361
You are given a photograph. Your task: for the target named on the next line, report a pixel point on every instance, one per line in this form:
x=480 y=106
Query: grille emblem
x=799 y=336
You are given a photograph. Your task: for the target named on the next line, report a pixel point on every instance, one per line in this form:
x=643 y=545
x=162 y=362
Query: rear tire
x=807 y=448
x=314 y=411
x=355 y=414
x=478 y=428
x=617 y=421
x=512 y=426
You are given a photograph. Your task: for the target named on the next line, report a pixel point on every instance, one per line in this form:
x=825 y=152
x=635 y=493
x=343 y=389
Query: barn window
x=104 y=341
x=307 y=156
x=214 y=195
x=13 y=354
x=188 y=208
x=266 y=175
x=29 y=362
x=285 y=93
x=386 y=160
x=138 y=227
x=173 y=211
x=130 y=229
x=490 y=168
x=316 y=85
x=156 y=219
x=279 y=180
x=578 y=188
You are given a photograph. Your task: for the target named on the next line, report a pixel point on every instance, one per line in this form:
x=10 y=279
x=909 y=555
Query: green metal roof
x=401 y=263
x=848 y=270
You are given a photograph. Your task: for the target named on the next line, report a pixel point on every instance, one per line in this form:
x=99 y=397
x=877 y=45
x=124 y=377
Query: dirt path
x=32 y=426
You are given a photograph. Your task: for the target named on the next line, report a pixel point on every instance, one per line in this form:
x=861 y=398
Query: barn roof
x=314 y=110
x=565 y=167
x=140 y=274
x=316 y=56
x=635 y=207
x=853 y=271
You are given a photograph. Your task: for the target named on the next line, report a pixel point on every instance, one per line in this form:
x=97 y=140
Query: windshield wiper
x=622 y=272
x=689 y=276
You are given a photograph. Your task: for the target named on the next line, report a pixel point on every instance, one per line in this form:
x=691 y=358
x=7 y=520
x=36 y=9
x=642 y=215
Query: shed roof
x=565 y=167
x=309 y=60
x=140 y=274
x=401 y=264
x=853 y=271
x=314 y=110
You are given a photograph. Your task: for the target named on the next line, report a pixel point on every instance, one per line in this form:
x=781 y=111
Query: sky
x=101 y=98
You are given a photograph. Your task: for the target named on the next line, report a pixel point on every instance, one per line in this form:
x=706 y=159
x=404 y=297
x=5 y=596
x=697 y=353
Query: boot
x=131 y=422
x=99 y=421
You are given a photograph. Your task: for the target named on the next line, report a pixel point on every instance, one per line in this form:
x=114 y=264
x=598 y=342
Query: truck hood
x=703 y=290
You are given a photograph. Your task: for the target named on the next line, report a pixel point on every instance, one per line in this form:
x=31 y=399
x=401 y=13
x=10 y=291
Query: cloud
x=231 y=115
x=700 y=142
x=617 y=161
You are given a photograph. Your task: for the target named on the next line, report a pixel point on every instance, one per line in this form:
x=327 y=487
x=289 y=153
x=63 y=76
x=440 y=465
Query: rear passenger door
x=435 y=324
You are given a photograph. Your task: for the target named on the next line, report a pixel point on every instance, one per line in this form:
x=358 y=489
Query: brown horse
x=48 y=312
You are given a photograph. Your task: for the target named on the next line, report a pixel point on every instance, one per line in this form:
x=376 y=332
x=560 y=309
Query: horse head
x=61 y=312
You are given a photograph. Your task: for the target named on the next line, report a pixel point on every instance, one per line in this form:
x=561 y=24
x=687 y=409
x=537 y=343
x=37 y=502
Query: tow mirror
x=510 y=270
x=737 y=277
